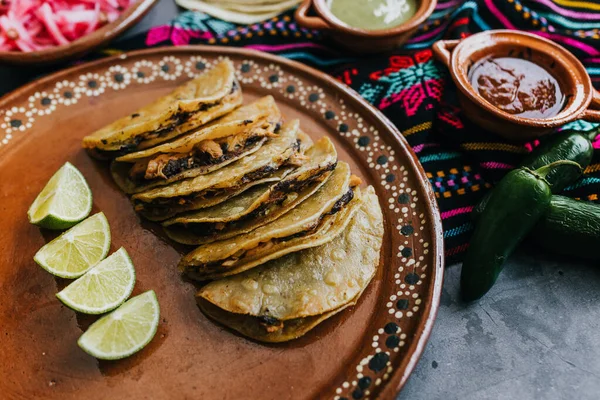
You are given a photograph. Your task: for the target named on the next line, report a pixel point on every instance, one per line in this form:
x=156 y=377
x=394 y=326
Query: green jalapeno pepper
x=567 y=145
x=516 y=204
x=569 y=227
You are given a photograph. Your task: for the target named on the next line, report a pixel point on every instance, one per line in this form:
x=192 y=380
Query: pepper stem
x=591 y=135
x=543 y=171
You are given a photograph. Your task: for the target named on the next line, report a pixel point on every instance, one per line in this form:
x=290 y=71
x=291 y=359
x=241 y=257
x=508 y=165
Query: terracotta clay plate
x=366 y=351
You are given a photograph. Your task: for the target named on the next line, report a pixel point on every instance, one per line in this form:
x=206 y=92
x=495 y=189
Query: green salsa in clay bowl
x=366 y=26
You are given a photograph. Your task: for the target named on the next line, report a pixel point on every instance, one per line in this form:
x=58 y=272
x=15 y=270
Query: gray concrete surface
x=535 y=336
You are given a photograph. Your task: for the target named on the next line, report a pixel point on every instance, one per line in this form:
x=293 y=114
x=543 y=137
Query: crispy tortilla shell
x=251 y=327
x=286 y=294
x=324 y=231
x=195 y=193
x=255 y=7
x=245 y=117
x=121 y=171
x=237 y=135
x=226 y=14
x=246 y=213
x=201 y=100
x=208 y=259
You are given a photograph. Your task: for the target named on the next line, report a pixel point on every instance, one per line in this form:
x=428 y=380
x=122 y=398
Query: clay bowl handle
x=593 y=111
x=309 y=22
x=442 y=49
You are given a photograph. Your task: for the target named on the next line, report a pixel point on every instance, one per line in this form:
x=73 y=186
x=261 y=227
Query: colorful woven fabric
x=415 y=92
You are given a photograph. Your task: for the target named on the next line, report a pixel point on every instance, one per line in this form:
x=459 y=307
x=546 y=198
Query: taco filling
x=284 y=297
x=166 y=129
x=205 y=150
x=263 y=246
x=210 y=189
x=168 y=202
x=259 y=206
x=205 y=153
x=282 y=192
x=195 y=103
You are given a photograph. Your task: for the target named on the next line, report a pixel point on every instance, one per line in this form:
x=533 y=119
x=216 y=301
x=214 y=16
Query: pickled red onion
x=30 y=25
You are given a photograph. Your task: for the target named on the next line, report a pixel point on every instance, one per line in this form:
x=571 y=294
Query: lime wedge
x=77 y=250
x=65 y=200
x=124 y=331
x=102 y=288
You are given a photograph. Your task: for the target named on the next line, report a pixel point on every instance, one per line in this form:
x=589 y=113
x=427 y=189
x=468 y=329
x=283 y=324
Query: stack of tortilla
x=240 y=11
x=283 y=236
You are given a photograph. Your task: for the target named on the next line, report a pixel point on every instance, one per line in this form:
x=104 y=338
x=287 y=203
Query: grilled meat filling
x=132 y=144
x=277 y=197
x=208 y=152
x=157 y=206
x=345 y=199
x=232 y=260
x=165 y=203
x=270 y=324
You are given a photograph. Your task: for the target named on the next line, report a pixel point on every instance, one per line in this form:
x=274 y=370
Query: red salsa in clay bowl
x=517 y=84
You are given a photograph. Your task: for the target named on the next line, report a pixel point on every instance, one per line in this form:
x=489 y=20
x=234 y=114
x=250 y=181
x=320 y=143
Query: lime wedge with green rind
x=125 y=330
x=104 y=287
x=77 y=250
x=65 y=200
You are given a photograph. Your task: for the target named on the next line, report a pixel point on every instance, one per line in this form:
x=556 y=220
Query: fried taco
x=201 y=100
x=260 y=206
x=285 y=298
x=205 y=150
x=208 y=190
x=302 y=227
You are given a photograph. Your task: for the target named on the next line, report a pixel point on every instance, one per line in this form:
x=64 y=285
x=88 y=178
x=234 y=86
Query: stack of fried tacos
x=285 y=298
x=247 y=212
x=279 y=226
x=210 y=189
x=199 y=101
x=207 y=149
x=304 y=226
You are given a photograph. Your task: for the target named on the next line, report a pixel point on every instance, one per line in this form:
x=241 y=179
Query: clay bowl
x=84 y=44
x=361 y=40
x=582 y=101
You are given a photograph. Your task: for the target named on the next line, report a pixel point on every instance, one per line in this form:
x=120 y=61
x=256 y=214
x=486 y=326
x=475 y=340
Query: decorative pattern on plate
x=409 y=280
